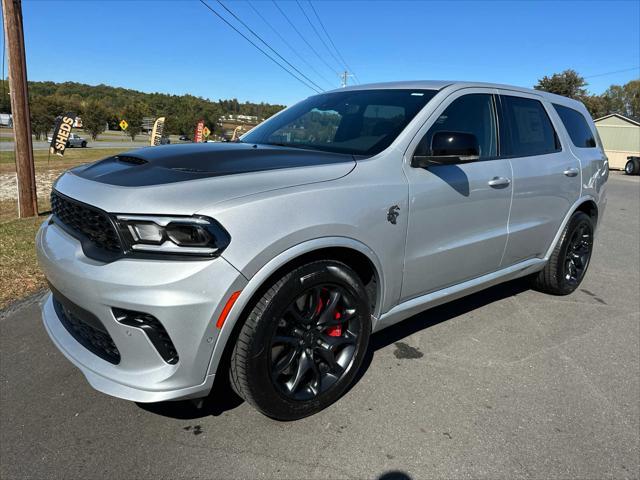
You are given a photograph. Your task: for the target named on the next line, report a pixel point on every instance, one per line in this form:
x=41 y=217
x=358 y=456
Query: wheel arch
x=586 y=204
x=352 y=252
x=589 y=207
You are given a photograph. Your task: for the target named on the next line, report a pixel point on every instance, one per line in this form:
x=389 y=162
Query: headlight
x=191 y=236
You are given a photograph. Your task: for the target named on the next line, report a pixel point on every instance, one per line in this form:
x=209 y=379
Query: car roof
x=440 y=84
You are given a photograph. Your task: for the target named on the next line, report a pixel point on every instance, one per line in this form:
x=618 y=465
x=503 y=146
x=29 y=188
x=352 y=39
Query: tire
x=314 y=319
x=569 y=261
x=83 y=144
x=632 y=167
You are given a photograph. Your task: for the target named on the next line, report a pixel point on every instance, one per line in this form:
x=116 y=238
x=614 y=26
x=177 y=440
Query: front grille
x=86 y=328
x=88 y=222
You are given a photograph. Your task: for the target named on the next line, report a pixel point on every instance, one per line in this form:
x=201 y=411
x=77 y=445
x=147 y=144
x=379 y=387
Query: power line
x=274 y=30
x=257 y=47
x=304 y=39
x=331 y=41
x=611 y=73
x=268 y=46
x=318 y=34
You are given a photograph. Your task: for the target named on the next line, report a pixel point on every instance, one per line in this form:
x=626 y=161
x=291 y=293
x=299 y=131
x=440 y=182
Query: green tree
x=94 y=118
x=596 y=105
x=133 y=114
x=624 y=100
x=5 y=101
x=632 y=92
x=567 y=83
x=42 y=118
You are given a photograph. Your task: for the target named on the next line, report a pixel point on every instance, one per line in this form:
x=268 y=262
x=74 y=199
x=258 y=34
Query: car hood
x=181 y=179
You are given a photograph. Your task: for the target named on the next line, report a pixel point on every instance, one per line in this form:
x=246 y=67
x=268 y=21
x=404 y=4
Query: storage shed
x=621 y=138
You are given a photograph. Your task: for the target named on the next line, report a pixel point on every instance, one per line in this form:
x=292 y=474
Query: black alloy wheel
x=578 y=253
x=569 y=261
x=302 y=341
x=314 y=343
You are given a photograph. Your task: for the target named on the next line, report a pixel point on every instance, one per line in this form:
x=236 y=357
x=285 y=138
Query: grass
x=9 y=209
x=19 y=272
x=72 y=157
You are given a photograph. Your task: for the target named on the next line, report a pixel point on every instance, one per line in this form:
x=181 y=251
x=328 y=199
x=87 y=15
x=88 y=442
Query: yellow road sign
x=206 y=132
x=123 y=124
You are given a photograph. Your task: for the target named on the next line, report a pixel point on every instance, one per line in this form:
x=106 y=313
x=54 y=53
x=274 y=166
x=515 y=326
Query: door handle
x=499 y=182
x=571 y=172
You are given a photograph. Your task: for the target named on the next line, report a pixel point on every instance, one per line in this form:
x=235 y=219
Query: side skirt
x=416 y=305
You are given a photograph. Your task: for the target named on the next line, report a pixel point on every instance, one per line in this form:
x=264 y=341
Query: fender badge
x=392 y=214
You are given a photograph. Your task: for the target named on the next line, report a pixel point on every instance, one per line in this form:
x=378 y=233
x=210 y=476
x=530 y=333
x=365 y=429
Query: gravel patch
x=9 y=184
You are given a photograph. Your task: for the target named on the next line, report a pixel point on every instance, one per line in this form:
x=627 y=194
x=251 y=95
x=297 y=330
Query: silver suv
x=273 y=259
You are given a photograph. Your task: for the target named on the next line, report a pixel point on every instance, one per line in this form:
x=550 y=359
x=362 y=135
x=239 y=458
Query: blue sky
x=180 y=47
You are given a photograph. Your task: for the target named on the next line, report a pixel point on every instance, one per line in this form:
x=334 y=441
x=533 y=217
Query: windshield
x=360 y=122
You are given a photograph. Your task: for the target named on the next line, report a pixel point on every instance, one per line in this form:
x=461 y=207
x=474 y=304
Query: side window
x=577 y=127
x=530 y=131
x=473 y=113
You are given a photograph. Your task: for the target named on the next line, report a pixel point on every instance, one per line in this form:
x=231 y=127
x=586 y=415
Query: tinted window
x=529 y=130
x=577 y=126
x=358 y=122
x=472 y=113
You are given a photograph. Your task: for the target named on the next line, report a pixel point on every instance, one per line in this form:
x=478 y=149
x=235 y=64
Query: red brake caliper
x=336 y=330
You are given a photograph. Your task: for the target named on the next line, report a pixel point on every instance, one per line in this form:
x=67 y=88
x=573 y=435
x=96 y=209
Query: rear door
x=546 y=175
x=586 y=145
x=457 y=213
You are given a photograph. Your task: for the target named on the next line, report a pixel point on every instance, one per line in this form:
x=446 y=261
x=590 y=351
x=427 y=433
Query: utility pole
x=344 y=77
x=25 y=170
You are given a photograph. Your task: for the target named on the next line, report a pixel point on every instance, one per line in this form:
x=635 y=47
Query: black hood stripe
x=179 y=163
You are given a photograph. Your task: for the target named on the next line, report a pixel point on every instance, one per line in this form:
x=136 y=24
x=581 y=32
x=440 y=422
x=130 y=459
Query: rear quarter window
x=529 y=130
x=577 y=126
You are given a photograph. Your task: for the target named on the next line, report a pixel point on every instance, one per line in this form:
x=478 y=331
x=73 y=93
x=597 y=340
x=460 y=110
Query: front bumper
x=185 y=296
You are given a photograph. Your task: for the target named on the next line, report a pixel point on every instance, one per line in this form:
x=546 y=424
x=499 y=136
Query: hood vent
x=130 y=160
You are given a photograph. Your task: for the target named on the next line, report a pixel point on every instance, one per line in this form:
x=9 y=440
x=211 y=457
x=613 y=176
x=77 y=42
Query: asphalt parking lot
x=507 y=383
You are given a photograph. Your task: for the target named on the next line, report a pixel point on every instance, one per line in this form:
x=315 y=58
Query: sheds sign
x=156 y=133
x=61 y=132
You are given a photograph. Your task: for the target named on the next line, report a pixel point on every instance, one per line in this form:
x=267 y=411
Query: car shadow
x=454 y=176
x=223 y=398
x=436 y=315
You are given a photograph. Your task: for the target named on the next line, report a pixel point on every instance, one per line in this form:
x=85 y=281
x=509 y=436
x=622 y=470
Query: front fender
x=272 y=266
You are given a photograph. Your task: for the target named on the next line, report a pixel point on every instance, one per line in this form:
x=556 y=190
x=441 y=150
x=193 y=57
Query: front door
x=458 y=213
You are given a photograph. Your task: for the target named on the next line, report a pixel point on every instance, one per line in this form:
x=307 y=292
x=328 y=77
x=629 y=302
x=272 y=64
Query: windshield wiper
x=292 y=145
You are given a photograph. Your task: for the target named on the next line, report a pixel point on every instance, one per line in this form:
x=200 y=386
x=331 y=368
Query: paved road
x=508 y=383
x=40 y=145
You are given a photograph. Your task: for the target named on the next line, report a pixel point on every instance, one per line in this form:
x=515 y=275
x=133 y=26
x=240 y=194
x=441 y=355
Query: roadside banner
x=156 y=133
x=199 y=132
x=61 y=132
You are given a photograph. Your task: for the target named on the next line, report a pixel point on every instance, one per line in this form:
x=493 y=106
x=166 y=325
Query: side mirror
x=448 y=148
